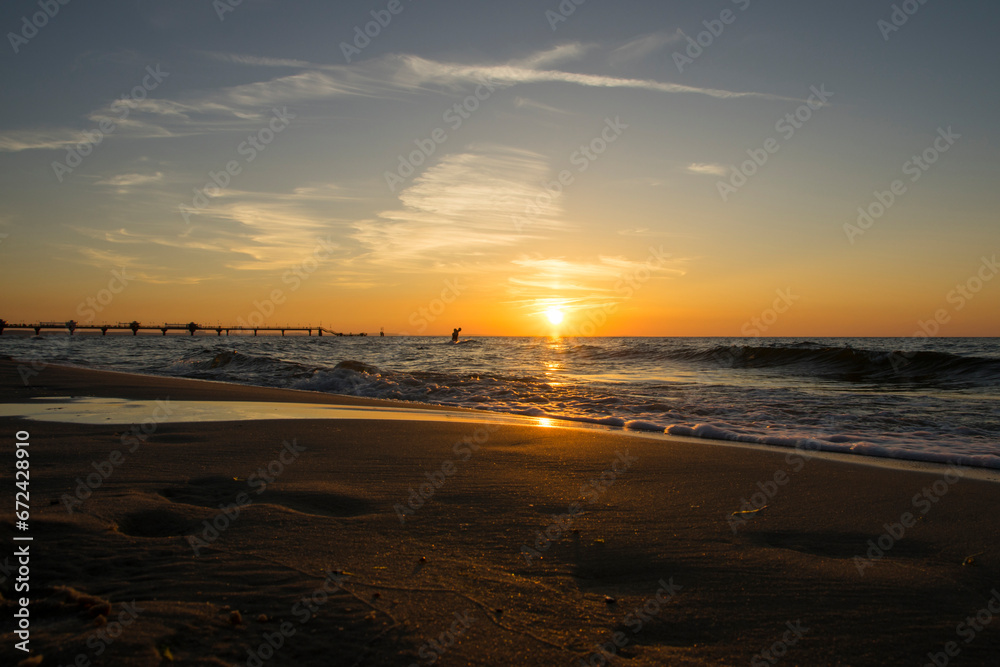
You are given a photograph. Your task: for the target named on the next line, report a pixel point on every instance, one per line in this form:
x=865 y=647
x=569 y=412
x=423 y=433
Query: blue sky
x=312 y=216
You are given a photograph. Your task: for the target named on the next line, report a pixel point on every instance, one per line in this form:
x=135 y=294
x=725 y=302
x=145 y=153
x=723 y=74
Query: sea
x=923 y=399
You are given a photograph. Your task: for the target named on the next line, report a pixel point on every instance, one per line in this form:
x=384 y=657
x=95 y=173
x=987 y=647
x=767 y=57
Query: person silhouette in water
x=454 y=335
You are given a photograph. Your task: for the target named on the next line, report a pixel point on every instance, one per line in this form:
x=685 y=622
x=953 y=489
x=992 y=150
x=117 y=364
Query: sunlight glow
x=554 y=314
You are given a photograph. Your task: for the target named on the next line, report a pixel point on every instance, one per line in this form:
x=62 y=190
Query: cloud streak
x=706 y=169
x=415 y=70
x=639 y=48
x=125 y=181
x=577 y=285
x=462 y=207
x=231 y=108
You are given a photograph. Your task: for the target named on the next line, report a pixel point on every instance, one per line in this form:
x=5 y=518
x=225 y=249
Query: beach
x=394 y=542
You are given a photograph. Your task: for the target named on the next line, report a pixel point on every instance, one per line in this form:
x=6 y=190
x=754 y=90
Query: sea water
x=912 y=398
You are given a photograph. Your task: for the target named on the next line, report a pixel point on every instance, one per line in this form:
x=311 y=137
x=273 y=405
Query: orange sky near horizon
x=661 y=306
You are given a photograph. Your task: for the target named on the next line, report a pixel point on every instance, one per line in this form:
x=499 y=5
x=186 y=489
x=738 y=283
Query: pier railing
x=135 y=327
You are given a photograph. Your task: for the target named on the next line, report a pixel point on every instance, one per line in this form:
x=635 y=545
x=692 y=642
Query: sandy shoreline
x=332 y=513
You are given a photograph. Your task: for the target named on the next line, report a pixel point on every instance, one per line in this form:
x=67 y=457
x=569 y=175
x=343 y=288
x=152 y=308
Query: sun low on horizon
x=555 y=315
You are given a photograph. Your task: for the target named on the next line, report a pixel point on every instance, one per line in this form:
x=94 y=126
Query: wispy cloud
x=240 y=59
x=272 y=236
x=555 y=55
x=416 y=71
x=598 y=276
x=640 y=47
x=578 y=285
x=396 y=73
x=640 y=232
x=707 y=169
x=526 y=103
x=559 y=274
x=56 y=138
x=103 y=258
x=240 y=231
x=197 y=112
x=137 y=266
x=123 y=182
x=463 y=206
x=24 y=140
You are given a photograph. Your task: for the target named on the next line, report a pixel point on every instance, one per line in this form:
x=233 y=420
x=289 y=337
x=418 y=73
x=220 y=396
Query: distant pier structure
x=135 y=327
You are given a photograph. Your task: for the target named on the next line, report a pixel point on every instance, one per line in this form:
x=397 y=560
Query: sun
x=555 y=315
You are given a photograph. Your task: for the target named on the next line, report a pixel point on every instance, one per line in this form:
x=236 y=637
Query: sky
x=636 y=168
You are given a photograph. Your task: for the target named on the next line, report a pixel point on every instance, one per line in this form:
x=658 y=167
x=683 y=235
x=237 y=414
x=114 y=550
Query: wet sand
x=342 y=542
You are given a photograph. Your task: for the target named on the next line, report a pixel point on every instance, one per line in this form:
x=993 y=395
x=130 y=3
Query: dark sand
x=332 y=509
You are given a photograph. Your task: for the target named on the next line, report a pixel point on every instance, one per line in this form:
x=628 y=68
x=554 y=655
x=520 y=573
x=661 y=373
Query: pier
x=135 y=327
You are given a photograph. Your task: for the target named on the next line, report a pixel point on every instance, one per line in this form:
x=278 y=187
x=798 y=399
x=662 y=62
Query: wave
x=235 y=366
x=859 y=365
x=808 y=358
